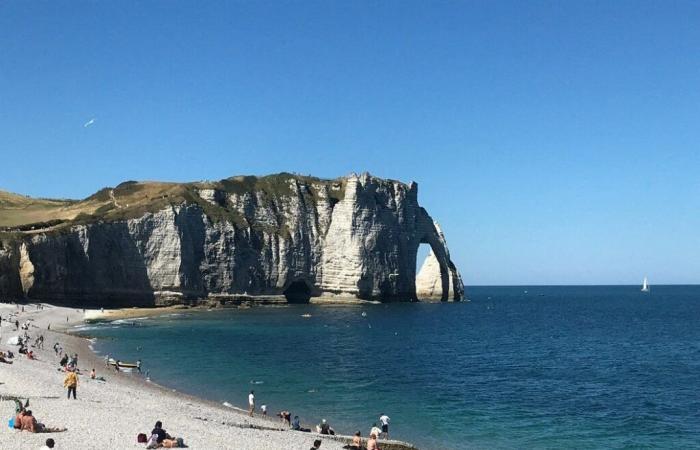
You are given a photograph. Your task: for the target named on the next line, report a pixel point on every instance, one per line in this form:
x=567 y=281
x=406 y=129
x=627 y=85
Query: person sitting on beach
x=30 y=424
x=324 y=428
x=317 y=445
x=372 y=442
x=160 y=433
x=356 y=441
x=30 y=354
x=296 y=425
x=63 y=361
x=18 y=419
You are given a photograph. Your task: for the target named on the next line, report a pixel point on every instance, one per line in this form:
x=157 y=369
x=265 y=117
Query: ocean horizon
x=515 y=367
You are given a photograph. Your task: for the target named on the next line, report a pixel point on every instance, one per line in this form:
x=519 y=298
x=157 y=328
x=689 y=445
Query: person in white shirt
x=384 y=419
x=375 y=430
x=263 y=408
x=251 y=403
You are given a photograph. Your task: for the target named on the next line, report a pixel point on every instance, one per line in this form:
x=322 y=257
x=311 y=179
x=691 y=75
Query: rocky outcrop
x=357 y=236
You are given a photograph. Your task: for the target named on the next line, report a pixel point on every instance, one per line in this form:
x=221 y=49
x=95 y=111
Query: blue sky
x=555 y=142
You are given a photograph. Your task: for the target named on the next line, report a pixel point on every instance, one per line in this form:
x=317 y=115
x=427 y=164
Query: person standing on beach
x=384 y=420
x=251 y=403
x=71 y=382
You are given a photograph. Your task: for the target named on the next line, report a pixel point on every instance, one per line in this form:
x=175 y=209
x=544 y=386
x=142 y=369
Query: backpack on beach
x=142 y=438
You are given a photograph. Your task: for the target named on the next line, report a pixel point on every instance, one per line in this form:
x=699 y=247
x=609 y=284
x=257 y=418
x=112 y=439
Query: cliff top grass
x=132 y=199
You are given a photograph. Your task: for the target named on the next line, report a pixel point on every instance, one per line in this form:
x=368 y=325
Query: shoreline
x=202 y=423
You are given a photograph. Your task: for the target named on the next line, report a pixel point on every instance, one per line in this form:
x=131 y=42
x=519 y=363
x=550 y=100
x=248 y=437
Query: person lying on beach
x=29 y=423
x=160 y=438
x=3 y=358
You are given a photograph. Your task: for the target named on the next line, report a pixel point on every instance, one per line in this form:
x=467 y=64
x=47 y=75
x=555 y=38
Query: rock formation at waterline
x=145 y=243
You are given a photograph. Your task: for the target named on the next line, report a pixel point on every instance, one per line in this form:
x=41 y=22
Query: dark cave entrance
x=298 y=292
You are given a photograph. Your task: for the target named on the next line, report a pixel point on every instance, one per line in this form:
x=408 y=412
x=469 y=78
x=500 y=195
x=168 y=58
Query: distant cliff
x=145 y=243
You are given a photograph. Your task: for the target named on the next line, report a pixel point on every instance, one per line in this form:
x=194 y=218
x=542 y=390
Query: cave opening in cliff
x=298 y=292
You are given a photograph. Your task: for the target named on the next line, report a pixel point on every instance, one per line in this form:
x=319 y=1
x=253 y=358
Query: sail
x=645 y=285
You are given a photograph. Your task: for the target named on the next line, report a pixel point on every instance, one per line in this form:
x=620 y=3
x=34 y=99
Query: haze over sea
x=516 y=367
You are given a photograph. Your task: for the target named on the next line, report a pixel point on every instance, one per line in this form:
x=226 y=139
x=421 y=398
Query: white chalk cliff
x=354 y=237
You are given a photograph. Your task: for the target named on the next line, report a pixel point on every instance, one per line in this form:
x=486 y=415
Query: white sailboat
x=645 y=285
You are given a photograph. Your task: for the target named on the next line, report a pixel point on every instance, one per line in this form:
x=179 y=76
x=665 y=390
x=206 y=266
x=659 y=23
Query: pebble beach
x=111 y=413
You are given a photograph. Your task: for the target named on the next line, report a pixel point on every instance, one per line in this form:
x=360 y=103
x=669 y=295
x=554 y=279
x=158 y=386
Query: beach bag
x=11 y=422
x=142 y=438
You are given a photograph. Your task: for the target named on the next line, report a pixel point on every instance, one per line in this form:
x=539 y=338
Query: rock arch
x=438 y=278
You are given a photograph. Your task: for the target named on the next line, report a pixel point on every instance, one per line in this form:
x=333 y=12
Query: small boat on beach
x=125 y=366
x=645 y=285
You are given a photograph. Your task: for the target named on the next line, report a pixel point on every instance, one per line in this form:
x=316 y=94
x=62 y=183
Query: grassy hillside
x=130 y=199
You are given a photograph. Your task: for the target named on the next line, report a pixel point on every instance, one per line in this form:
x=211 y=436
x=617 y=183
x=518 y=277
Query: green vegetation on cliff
x=25 y=215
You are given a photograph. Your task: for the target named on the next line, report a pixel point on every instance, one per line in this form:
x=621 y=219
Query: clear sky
x=555 y=142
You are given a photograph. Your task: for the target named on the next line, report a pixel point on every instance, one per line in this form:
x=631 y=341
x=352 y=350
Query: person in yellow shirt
x=71 y=382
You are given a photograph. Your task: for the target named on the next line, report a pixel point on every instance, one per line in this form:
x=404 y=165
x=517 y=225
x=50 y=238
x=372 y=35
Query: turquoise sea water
x=517 y=367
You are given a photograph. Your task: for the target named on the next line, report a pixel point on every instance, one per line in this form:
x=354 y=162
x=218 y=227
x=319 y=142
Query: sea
x=515 y=367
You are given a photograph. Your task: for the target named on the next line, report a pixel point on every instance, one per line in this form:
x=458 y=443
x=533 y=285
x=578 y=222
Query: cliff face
x=353 y=237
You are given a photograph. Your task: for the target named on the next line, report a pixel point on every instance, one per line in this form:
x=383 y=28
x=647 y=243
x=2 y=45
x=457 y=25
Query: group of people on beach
x=159 y=438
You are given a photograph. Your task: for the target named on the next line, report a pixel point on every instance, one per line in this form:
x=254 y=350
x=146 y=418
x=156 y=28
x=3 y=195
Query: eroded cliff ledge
x=152 y=243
